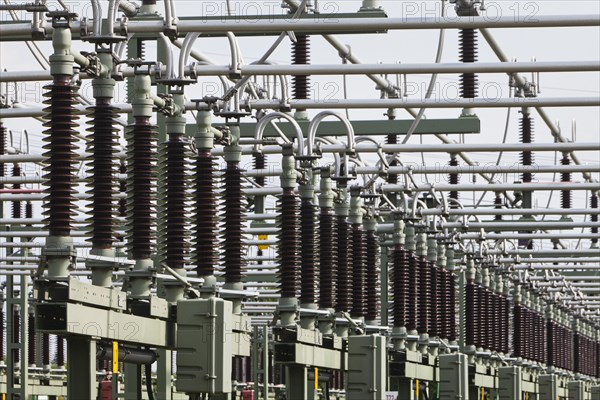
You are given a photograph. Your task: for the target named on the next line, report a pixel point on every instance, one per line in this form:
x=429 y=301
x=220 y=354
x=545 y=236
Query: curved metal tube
x=262 y=124
x=113 y=8
x=314 y=125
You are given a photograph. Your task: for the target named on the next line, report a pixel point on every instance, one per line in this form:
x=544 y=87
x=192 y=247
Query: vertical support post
x=133 y=380
x=296 y=380
x=81 y=373
x=164 y=389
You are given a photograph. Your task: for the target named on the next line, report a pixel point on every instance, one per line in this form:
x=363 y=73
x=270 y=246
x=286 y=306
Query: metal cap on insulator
x=326 y=196
x=142 y=103
x=356 y=212
x=342 y=208
x=421 y=242
x=411 y=240
x=471 y=273
x=450 y=263
x=399 y=237
x=441 y=254
x=289 y=175
x=306 y=190
x=61 y=61
x=205 y=139
x=432 y=250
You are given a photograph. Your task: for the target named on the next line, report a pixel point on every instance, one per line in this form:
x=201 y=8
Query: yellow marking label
x=115 y=360
x=263 y=246
x=316 y=378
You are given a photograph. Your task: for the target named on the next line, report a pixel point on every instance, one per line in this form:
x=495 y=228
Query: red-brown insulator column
x=373 y=286
x=327 y=258
x=17 y=211
x=566 y=196
x=45 y=349
x=31 y=340
x=103 y=145
x=2 y=151
x=450 y=306
x=308 y=251
x=401 y=282
x=205 y=216
x=358 y=271
x=232 y=212
x=1 y=334
x=413 y=292
x=301 y=56
x=424 y=295
x=471 y=326
x=289 y=243
x=594 y=217
x=468 y=54
x=344 y=260
x=434 y=303
x=527 y=157
x=60 y=156
x=518 y=331
x=60 y=351
x=16 y=334
x=141 y=188
x=453 y=179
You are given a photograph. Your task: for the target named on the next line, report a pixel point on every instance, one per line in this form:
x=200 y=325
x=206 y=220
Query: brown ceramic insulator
x=424 y=295
x=518 y=331
x=289 y=243
x=60 y=351
x=2 y=151
x=103 y=142
x=373 y=285
x=392 y=178
x=468 y=54
x=550 y=343
x=308 y=252
x=498 y=206
x=17 y=210
x=453 y=179
x=233 y=219
x=344 y=261
x=527 y=157
x=471 y=302
x=31 y=340
x=443 y=299
x=434 y=302
x=29 y=210
x=205 y=214
x=578 y=343
x=1 y=334
x=122 y=211
x=400 y=286
x=60 y=157
x=45 y=349
x=594 y=216
x=175 y=205
x=359 y=300
x=301 y=56
x=327 y=258
x=451 y=306
x=413 y=292
x=260 y=162
x=142 y=173
x=566 y=196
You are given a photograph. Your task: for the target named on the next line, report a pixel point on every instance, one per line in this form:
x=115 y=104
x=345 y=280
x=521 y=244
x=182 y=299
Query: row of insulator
x=566 y=196
x=561 y=346
x=594 y=217
x=586 y=355
x=527 y=156
x=468 y=54
x=2 y=150
x=423 y=295
x=289 y=243
x=308 y=251
x=487 y=316
x=529 y=336
x=343 y=262
x=301 y=56
x=453 y=179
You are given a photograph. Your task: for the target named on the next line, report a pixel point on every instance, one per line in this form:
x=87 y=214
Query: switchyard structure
x=189 y=229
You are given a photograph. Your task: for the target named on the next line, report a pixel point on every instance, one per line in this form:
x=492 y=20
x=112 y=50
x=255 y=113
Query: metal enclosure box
x=510 y=383
x=595 y=392
x=454 y=376
x=204 y=345
x=367 y=364
x=576 y=390
x=548 y=387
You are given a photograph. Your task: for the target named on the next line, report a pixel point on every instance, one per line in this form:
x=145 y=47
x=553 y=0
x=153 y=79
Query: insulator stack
x=344 y=260
x=232 y=215
x=301 y=56
x=45 y=349
x=550 y=339
x=498 y=206
x=174 y=228
x=122 y=211
x=31 y=340
x=205 y=217
x=260 y=162
x=141 y=188
x=372 y=275
x=468 y=54
x=527 y=157
x=594 y=216
x=453 y=179
x=16 y=205
x=327 y=258
x=16 y=334
x=471 y=302
x=481 y=320
x=60 y=351
x=565 y=177
x=450 y=306
x=518 y=331
x=359 y=300
x=60 y=157
x=289 y=243
x=29 y=210
x=2 y=151
x=424 y=295
x=103 y=143
x=1 y=334
x=495 y=317
x=413 y=292
x=308 y=251
x=401 y=283
x=392 y=178
x=434 y=302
